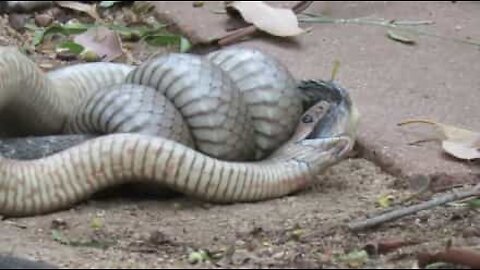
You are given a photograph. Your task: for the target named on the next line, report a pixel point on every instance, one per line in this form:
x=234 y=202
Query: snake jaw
x=326 y=131
x=342 y=116
x=325 y=151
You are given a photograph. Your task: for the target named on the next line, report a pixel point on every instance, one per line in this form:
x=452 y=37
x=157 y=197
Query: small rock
x=66 y=56
x=46 y=66
x=471 y=232
x=279 y=255
x=158 y=238
x=43 y=20
x=137 y=236
x=59 y=224
x=18 y=21
x=239 y=243
x=55 y=12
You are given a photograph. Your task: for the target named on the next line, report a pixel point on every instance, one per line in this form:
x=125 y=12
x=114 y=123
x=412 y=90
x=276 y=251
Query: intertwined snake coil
x=230 y=126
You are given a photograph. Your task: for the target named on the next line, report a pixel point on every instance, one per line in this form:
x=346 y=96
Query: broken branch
x=396 y=214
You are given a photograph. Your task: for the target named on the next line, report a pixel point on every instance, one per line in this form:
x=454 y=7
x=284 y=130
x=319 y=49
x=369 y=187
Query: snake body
x=194 y=124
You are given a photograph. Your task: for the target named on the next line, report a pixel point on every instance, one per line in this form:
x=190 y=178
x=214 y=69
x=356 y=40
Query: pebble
x=43 y=20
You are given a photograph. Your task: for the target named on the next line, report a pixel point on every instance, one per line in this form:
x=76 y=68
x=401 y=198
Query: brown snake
x=222 y=138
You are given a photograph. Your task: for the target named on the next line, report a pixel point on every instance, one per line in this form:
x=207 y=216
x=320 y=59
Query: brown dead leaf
x=102 y=41
x=458 y=142
x=276 y=21
x=77 y=6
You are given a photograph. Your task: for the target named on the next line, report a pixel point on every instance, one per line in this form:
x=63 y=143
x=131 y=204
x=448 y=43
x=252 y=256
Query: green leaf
x=70 y=47
x=130 y=33
x=64 y=29
x=385 y=201
x=336 y=66
x=197 y=257
x=166 y=40
x=31 y=27
x=37 y=37
x=474 y=203
x=108 y=4
x=97 y=223
x=400 y=36
x=133 y=33
x=59 y=237
x=185 y=45
x=355 y=259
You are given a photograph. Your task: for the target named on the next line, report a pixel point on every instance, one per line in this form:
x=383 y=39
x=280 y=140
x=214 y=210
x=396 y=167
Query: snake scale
x=230 y=126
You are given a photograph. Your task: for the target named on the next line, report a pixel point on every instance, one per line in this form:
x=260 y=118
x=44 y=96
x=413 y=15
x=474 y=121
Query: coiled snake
x=231 y=126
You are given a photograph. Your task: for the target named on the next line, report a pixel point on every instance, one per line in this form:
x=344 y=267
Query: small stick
x=252 y=29
x=237 y=35
x=361 y=225
x=301 y=6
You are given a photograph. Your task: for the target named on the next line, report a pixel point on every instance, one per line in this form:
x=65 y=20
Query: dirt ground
x=303 y=230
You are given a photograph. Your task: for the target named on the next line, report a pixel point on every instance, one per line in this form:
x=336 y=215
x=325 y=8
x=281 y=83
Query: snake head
x=326 y=130
x=342 y=116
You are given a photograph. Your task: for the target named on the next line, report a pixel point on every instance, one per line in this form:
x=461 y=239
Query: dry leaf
x=276 y=21
x=458 y=142
x=400 y=36
x=74 y=5
x=103 y=41
x=461 y=151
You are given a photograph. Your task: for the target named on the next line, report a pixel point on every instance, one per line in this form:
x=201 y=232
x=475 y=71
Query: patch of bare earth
x=302 y=230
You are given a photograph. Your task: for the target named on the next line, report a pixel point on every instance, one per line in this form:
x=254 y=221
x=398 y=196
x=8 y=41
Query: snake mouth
x=342 y=116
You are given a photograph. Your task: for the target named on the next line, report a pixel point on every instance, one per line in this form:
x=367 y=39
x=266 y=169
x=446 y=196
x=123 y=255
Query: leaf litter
x=94 y=35
x=459 y=142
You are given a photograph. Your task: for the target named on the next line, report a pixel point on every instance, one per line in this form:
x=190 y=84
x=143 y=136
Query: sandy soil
x=302 y=230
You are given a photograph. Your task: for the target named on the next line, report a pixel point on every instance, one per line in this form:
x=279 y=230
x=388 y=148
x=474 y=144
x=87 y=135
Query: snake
x=228 y=127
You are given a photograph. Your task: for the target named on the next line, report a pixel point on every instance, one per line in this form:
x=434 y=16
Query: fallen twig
x=237 y=35
x=361 y=225
x=251 y=29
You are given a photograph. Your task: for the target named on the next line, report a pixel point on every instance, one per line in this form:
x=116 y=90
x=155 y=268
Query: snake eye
x=307 y=119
